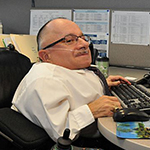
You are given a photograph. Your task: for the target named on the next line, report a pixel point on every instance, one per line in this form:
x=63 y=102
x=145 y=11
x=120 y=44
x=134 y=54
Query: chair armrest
x=20 y=131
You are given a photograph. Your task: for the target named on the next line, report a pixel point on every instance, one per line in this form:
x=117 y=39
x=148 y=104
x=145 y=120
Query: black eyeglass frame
x=52 y=44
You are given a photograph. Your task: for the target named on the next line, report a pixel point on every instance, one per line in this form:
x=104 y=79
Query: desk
x=108 y=127
x=127 y=72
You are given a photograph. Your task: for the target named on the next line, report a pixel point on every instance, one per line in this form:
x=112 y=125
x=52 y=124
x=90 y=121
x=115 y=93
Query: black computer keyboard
x=133 y=96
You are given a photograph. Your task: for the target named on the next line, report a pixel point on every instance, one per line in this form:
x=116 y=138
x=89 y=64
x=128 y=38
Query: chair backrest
x=13 y=67
x=16 y=131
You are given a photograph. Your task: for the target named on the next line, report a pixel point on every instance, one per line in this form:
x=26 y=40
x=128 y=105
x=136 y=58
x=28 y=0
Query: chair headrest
x=13 y=67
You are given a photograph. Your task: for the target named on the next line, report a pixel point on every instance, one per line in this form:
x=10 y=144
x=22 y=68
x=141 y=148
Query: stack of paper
x=25 y=44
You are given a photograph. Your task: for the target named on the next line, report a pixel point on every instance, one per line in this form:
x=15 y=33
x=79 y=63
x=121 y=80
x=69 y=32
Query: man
x=60 y=92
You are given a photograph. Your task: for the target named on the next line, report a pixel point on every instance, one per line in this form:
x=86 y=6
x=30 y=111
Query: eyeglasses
x=69 y=39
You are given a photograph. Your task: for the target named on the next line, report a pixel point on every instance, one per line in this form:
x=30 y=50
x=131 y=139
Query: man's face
x=71 y=56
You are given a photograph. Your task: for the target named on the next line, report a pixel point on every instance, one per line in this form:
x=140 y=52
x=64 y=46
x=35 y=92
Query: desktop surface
x=107 y=126
x=136 y=73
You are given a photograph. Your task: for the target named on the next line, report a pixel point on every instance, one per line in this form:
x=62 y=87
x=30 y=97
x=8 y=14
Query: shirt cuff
x=83 y=116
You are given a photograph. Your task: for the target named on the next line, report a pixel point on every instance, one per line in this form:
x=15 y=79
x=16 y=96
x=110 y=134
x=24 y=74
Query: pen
x=3 y=42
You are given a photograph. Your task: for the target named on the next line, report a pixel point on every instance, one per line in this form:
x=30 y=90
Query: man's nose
x=82 y=41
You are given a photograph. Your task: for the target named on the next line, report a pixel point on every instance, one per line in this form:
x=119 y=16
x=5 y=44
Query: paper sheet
x=130 y=27
x=94 y=23
x=38 y=17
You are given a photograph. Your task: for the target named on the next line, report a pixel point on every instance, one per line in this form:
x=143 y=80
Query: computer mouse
x=130 y=114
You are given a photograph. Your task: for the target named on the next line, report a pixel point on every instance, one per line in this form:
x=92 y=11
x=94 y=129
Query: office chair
x=94 y=53
x=16 y=131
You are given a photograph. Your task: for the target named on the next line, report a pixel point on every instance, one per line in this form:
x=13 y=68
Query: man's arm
x=47 y=104
x=104 y=106
x=116 y=80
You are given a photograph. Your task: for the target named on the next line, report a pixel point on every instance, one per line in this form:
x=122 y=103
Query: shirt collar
x=81 y=71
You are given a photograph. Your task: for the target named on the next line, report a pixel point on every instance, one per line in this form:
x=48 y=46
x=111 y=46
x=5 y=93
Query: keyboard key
x=133 y=96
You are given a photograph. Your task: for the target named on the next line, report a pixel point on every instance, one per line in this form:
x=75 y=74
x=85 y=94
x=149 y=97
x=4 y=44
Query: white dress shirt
x=56 y=98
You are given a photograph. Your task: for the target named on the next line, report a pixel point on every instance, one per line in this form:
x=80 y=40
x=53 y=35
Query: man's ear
x=44 y=56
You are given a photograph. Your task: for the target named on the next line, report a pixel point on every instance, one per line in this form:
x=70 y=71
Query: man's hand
x=104 y=106
x=116 y=80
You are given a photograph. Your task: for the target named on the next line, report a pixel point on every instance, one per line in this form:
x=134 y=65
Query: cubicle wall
x=130 y=55
x=15 y=16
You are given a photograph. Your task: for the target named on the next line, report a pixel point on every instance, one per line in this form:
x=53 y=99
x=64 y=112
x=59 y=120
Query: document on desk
x=26 y=44
x=133 y=130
